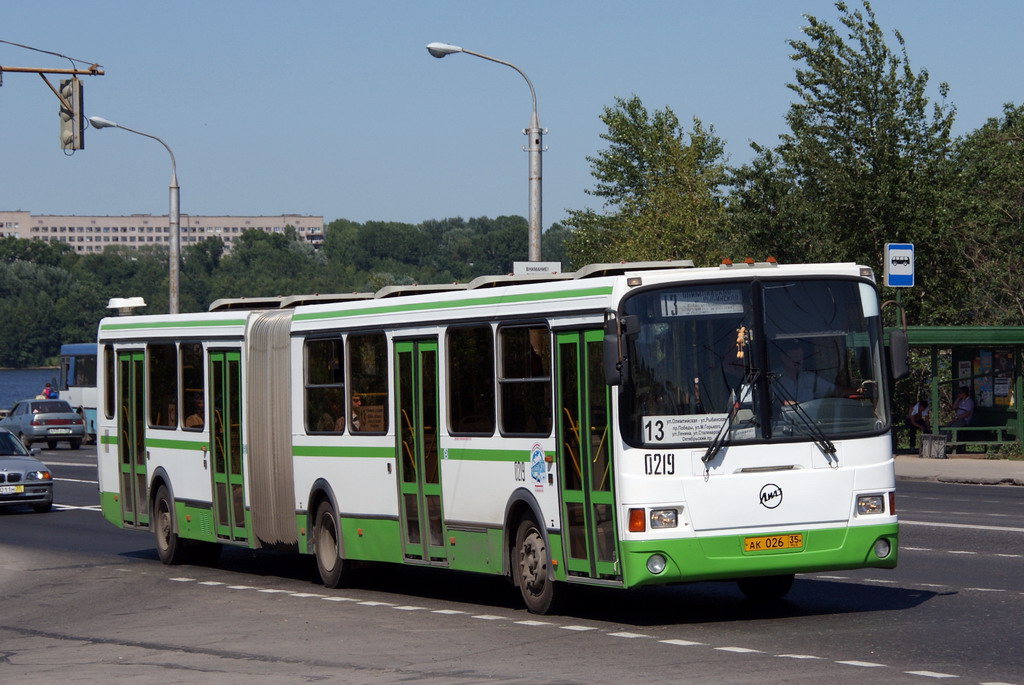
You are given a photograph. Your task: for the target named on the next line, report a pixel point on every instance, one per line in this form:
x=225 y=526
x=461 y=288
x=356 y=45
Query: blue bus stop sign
x=899 y=265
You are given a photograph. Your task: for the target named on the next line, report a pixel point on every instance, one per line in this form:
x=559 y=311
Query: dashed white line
x=985 y=589
x=305 y=594
x=448 y=612
x=932 y=674
x=578 y=628
x=682 y=643
x=406 y=607
x=535 y=623
x=863 y=664
x=489 y=617
x=798 y=656
x=739 y=650
x=628 y=635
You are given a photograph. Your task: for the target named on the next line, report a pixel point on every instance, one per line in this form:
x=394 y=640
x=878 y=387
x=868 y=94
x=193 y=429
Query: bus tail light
x=637 y=521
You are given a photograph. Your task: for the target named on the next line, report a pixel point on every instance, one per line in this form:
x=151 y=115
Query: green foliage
x=865 y=160
x=659 y=186
x=989 y=208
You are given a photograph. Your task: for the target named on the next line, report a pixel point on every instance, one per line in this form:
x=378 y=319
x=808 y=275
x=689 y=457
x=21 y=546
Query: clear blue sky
x=336 y=109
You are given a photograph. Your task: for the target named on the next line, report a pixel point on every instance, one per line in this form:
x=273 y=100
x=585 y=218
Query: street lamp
x=100 y=122
x=534 y=147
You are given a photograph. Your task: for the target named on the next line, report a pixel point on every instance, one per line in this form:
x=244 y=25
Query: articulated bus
x=78 y=381
x=625 y=425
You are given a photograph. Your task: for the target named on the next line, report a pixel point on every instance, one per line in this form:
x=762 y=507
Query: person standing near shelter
x=917 y=420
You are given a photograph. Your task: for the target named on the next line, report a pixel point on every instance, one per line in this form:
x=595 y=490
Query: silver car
x=23 y=479
x=48 y=421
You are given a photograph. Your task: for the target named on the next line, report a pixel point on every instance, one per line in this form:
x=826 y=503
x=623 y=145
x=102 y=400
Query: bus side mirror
x=612 y=361
x=899 y=355
x=615 y=330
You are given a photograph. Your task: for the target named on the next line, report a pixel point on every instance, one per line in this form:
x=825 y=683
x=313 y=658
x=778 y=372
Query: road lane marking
x=862 y=664
x=931 y=674
x=971 y=526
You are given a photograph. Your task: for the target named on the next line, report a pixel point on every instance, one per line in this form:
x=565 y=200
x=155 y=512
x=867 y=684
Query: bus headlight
x=664 y=518
x=870 y=504
x=655 y=564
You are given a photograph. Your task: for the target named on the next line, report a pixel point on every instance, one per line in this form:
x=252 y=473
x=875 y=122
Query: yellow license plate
x=11 y=489
x=768 y=543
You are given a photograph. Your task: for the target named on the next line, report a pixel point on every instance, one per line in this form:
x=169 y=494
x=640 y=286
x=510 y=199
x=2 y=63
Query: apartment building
x=94 y=233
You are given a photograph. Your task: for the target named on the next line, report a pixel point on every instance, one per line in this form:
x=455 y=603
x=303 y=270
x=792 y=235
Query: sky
x=336 y=108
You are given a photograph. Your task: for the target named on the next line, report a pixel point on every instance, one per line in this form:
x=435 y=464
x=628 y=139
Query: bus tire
x=169 y=547
x=530 y=562
x=333 y=569
x=766 y=588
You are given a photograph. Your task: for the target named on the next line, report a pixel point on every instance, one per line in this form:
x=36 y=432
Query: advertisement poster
x=984 y=384
x=1003 y=378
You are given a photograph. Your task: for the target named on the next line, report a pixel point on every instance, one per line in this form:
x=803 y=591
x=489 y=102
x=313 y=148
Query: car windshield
x=51 y=407
x=767 y=360
x=10 y=446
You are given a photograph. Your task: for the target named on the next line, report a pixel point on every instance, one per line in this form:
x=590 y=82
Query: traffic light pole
x=72 y=117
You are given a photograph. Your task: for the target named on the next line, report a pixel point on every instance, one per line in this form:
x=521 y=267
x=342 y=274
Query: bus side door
x=585 y=458
x=131 y=436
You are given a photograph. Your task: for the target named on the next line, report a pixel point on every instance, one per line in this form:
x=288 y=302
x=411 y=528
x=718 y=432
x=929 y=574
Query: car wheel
x=52 y=444
x=42 y=507
x=168 y=545
x=530 y=562
x=334 y=571
x=75 y=443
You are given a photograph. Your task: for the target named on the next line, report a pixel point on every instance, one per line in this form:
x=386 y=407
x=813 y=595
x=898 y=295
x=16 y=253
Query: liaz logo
x=771 y=496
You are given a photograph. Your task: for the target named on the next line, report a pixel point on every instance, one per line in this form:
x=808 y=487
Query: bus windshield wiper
x=818 y=435
x=736 y=396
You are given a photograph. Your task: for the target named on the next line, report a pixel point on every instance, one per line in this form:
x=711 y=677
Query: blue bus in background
x=77 y=382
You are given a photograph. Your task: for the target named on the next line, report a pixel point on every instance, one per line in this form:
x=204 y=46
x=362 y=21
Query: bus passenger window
x=471 y=380
x=368 y=383
x=526 y=380
x=325 y=387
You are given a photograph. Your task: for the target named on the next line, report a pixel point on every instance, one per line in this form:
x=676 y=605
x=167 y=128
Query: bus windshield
x=763 y=360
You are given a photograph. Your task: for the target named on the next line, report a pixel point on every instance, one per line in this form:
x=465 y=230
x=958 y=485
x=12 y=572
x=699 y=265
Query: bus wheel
x=766 y=588
x=170 y=548
x=333 y=571
x=531 y=561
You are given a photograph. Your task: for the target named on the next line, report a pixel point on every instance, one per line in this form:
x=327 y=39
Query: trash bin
x=933 y=446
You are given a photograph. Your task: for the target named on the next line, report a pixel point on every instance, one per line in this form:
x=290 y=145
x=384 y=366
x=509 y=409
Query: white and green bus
x=625 y=425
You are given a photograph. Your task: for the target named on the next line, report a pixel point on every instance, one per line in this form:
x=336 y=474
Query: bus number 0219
x=660 y=464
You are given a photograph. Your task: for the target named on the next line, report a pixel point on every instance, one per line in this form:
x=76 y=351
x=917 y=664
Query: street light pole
x=534 y=147
x=175 y=202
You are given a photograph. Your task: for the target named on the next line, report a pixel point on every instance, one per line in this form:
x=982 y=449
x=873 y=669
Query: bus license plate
x=767 y=543
x=11 y=489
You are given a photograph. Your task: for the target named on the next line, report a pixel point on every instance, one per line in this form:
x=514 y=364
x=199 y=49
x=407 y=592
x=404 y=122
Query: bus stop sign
x=899 y=265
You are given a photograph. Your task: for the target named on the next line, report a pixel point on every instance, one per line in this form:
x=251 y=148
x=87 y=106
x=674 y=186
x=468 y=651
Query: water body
x=20 y=384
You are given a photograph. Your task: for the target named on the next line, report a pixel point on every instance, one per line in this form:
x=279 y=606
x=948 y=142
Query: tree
x=989 y=169
x=865 y=160
x=660 y=188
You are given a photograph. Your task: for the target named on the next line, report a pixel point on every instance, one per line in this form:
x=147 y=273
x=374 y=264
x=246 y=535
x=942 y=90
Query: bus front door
x=131 y=436
x=585 y=459
x=418 y=466
x=226 y=445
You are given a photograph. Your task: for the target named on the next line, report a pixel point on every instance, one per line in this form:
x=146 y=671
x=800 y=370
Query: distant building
x=88 y=234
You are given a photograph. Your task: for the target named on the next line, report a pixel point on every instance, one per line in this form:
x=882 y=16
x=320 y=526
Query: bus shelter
x=983 y=359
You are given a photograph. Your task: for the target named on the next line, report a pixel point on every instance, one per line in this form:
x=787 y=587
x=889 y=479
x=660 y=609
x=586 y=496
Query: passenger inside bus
x=198 y=416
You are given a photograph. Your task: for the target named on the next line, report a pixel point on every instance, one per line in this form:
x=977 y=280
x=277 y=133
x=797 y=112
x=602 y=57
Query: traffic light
x=71 y=131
